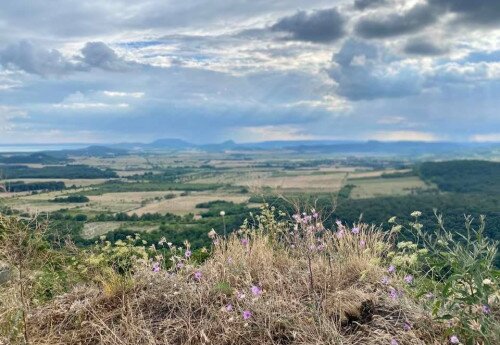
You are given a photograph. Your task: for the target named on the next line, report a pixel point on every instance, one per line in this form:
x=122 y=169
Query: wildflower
x=429 y=295
x=169 y=244
x=362 y=243
x=244 y=242
x=315 y=215
x=392 y=220
x=407 y=326
x=240 y=295
x=321 y=247
x=487 y=282
x=339 y=223
x=340 y=233
x=156 y=267
x=416 y=214
x=222 y=213
x=394 y=342
x=212 y=234
x=385 y=280
x=229 y=307
x=296 y=217
x=486 y=309
x=454 y=339
x=180 y=265
x=188 y=253
x=393 y=293
x=408 y=279
x=391 y=269
x=355 y=230
x=256 y=291
x=247 y=314
x=198 y=275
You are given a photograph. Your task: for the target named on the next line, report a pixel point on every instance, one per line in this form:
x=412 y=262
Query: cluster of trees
x=65 y=171
x=72 y=199
x=463 y=176
x=20 y=186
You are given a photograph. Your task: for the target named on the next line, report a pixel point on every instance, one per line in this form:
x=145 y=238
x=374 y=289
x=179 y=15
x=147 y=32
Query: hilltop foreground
x=275 y=281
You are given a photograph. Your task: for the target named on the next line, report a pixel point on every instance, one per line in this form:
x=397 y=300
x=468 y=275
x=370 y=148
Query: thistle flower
x=355 y=230
x=340 y=233
x=454 y=339
x=156 y=267
x=256 y=291
x=229 y=307
x=247 y=314
x=486 y=309
x=394 y=342
x=385 y=280
x=198 y=275
x=180 y=265
x=188 y=253
x=362 y=243
x=408 y=279
x=391 y=269
x=240 y=295
x=407 y=326
x=393 y=293
x=244 y=242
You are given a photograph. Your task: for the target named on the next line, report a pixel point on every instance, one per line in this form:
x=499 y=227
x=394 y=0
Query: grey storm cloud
x=360 y=74
x=364 y=4
x=33 y=59
x=99 y=55
x=479 y=12
x=395 y=24
x=424 y=47
x=318 y=26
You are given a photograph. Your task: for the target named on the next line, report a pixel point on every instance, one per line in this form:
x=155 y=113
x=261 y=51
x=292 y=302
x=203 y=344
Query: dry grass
x=377 y=187
x=335 y=298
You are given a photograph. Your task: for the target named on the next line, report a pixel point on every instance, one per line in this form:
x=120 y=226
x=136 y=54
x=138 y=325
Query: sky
x=206 y=71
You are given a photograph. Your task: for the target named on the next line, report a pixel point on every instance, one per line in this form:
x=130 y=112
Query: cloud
x=123 y=94
x=99 y=55
x=478 y=12
x=360 y=74
x=364 y=4
x=395 y=24
x=424 y=47
x=488 y=137
x=320 y=26
x=34 y=59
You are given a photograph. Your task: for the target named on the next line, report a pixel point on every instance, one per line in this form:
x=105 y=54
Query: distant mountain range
x=318 y=146
x=406 y=148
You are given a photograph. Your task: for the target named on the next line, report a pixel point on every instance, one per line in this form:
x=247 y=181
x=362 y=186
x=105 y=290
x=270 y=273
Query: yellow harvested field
x=375 y=187
x=186 y=204
x=319 y=182
x=95 y=229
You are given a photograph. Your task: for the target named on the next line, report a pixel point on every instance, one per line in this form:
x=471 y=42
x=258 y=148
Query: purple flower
x=180 y=265
x=256 y=291
x=454 y=339
x=406 y=326
x=486 y=309
x=198 y=275
x=355 y=230
x=188 y=253
x=391 y=269
x=229 y=307
x=156 y=267
x=408 y=279
x=296 y=217
x=385 y=280
x=247 y=314
x=244 y=242
x=338 y=222
x=340 y=233
x=240 y=295
x=393 y=293
x=362 y=243
x=315 y=215
x=429 y=295
x=394 y=342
